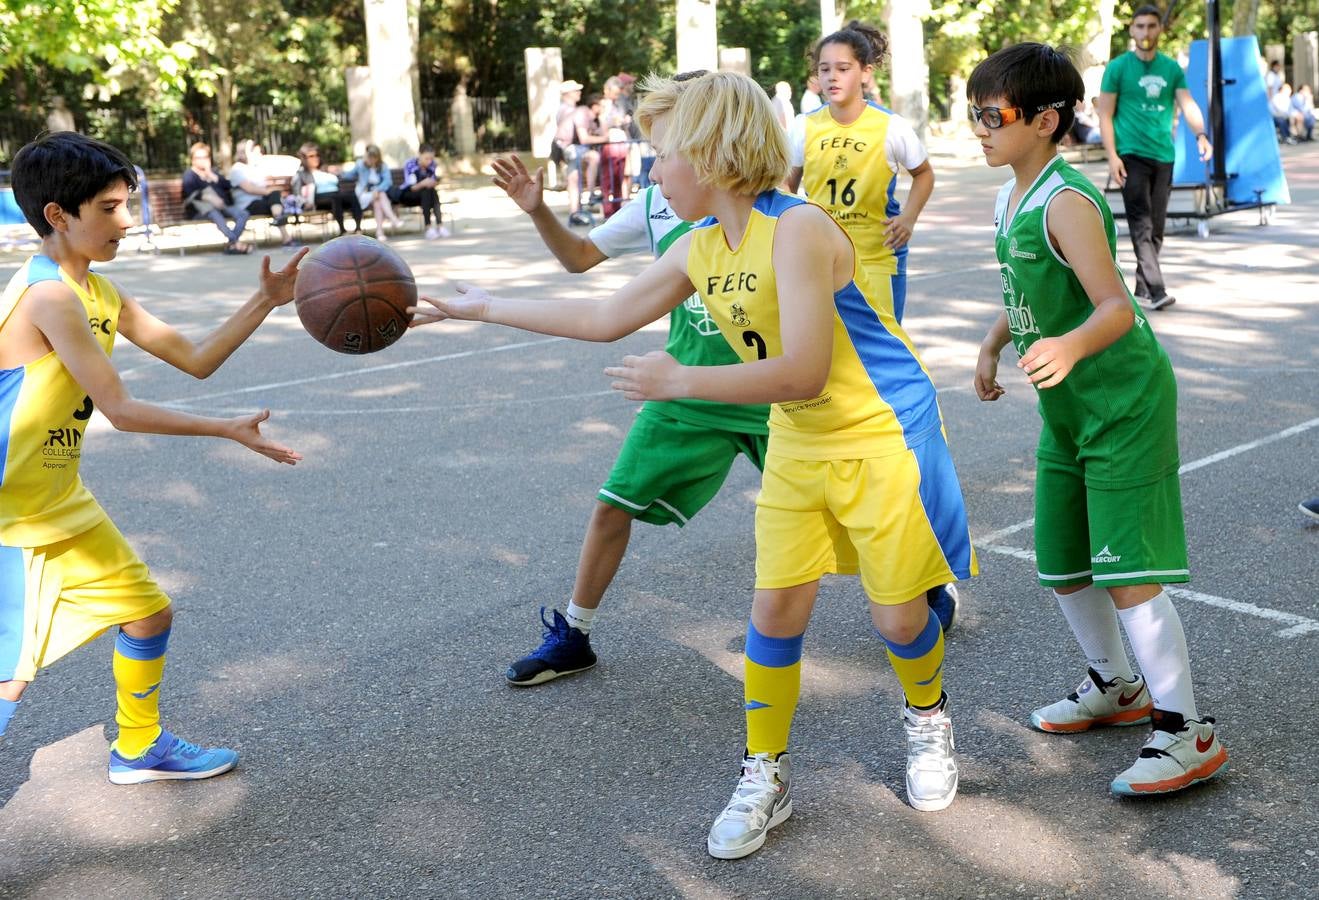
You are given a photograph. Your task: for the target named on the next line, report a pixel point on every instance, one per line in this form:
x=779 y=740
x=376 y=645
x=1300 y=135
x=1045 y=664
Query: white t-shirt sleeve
x=625 y=231
x=797 y=141
x=901 y=145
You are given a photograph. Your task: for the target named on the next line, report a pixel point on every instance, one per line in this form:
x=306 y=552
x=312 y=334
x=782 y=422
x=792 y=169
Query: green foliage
x=779 y=35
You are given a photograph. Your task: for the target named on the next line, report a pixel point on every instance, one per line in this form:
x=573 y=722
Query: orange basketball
x=352 y=294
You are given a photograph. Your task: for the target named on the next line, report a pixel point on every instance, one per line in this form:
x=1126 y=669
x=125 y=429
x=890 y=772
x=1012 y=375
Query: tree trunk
x=1244 y=14
x=414 y=32
x=224 y=102
x=1094 y=55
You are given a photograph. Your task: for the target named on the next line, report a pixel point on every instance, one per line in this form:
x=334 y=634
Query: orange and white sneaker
x=1179 y=753
x=1096 y=702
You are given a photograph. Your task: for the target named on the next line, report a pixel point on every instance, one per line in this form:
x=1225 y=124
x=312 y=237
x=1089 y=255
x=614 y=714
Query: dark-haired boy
x=1108 y=515
x=66 y=573
x=420 y=187
x=1135 y=120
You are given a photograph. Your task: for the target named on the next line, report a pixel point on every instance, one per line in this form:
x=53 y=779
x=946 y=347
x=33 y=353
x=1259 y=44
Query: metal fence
x=158 y=140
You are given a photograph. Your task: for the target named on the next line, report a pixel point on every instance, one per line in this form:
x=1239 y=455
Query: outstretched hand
x=655 y=376
x=247 y=431
x=277 y=287
x=525 y=189
x=470 y=305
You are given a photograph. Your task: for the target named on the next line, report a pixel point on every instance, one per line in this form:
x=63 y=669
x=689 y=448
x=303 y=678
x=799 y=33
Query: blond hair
x=724 y=125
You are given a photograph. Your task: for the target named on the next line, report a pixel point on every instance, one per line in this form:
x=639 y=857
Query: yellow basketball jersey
x=43 y=417
x=878 y=399
x=846 y=170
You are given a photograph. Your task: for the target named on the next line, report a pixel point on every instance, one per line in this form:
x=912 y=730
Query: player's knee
x=12 y=690
x=611 y=518
x=152 y=625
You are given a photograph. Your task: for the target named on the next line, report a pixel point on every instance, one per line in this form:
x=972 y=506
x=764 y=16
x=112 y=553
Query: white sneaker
x=1178 y=754
x=432 y=233
x=762 y=800
x=931 y=768
x=380 y=236
x=1096 y=702
x=443 y=232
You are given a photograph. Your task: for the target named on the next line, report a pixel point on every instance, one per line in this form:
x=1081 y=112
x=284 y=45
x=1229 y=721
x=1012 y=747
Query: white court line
x=371 y=411
x=1299 y=624
x=333 y=375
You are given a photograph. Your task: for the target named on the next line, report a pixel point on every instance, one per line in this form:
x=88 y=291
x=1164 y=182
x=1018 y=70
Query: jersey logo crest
x=840 y=162
x=739 y=316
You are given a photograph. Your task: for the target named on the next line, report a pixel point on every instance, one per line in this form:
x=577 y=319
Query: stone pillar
x=544 y=75
x=1305 y=59
x=358 y=81
x=909 y=75
x=698 y=39
x=957 y=102
x=389 y=54
x=460 y=117
x=735 y=59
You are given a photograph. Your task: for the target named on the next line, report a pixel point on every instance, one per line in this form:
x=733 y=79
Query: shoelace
x=757 y=785
x=555 y=634
x=926 y=742
x=183 y=748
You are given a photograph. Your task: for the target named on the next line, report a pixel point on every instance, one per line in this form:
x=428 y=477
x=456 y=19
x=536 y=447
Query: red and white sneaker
x=1178 y=754
x=1097 y=702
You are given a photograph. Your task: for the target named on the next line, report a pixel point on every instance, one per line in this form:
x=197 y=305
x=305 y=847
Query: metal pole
x=1217 y=128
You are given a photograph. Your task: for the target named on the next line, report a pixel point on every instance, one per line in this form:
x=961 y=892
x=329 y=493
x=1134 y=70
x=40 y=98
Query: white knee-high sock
x=1157 y=639
x=1093 y=619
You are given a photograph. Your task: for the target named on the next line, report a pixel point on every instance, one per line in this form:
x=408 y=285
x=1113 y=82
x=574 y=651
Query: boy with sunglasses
x=1108 y=516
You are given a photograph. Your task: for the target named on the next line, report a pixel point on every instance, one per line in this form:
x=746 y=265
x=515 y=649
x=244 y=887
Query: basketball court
x=345 y=624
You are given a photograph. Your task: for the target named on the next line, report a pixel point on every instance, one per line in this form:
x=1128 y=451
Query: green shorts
x=668 y=469
x=1131 y=535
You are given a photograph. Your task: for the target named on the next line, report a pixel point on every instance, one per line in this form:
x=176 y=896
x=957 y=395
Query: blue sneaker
x=943 y=600
x=565 y=651
x=171 y=758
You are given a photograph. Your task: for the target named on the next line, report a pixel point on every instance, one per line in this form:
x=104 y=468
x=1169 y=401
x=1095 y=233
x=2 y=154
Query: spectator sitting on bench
x=206 y=195
x=1085 y=127
x=319 y=189
x=420 y=187
x=251 y=188
x=373 y=183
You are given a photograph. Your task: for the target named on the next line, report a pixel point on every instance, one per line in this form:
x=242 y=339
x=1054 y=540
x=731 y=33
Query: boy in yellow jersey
x=848 y=154
x=1108 y=510
x=66 y=573
x=858 y=477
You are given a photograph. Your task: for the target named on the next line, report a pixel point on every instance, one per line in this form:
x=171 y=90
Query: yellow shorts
x=56 y=598
x=897 y=520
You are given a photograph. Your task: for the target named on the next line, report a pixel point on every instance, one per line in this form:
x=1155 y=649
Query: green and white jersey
x=648 y=222
x=1116 y=411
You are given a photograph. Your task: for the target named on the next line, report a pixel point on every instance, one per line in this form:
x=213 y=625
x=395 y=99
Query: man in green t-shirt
x=1136 y=119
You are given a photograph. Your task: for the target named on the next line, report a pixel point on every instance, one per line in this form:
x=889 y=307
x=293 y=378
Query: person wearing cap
x=573 y=138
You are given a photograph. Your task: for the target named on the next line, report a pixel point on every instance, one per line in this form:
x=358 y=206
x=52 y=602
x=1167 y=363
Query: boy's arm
x=1077 y=230
x=805 y=239
x=577 y=254
x=200 y=360
x=986 y=377
x=1195 y=121
x=60 y=318
x=659 y=288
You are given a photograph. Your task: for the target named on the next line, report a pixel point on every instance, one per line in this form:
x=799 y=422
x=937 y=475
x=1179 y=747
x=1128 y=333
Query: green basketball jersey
x=694 y=338
x=1116 y=412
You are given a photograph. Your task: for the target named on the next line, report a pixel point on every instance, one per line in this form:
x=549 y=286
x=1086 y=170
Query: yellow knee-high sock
x=919 y=665
x=138 y=666
x=773 y=684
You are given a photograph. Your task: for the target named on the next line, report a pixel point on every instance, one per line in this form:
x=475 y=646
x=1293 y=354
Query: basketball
x=352 y=294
